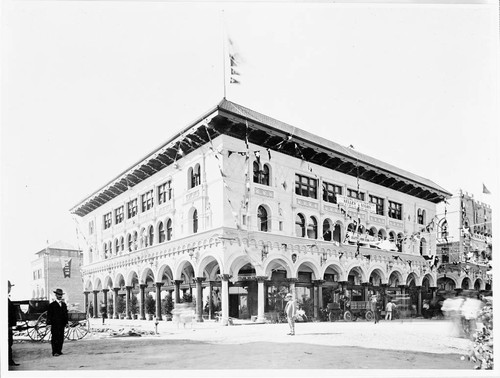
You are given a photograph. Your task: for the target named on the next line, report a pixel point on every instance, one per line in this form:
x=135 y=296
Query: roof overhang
x=239 y=122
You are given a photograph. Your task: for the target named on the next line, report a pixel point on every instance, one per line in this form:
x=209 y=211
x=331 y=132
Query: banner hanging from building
x=66 y=267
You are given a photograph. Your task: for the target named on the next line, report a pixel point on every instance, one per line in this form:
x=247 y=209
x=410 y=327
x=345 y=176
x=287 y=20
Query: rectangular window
x=164 y=192
x=147 y=201
x=395 y=210
x=306 y=186
x=281 y=226
x=330 y=192
x=91 y=227
x=107 y=220
x=119 y=215
x=355 y=194
x=132 y=208
x=379 y=202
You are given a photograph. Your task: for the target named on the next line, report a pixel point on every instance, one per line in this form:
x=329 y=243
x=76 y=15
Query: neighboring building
x=464 y=246
x=58 y=266
x=244 y=208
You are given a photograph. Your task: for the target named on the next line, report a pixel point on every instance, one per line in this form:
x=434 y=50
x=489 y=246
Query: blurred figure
x=469 y=313
x=389 y=307
x=452 y=310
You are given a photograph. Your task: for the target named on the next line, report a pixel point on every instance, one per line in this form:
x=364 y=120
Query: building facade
x=464 y=244
x=238 y=208
x=58 y=266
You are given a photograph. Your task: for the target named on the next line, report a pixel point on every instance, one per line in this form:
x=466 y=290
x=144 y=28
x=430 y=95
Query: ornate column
x=158 y=300
x=96 y=306
x=419 y=302
x=178 y=291
x=210 y=300
x=115 y=302
x=143 y=299
x=261 y=299
x=127 y=301
x=199 y=298
x=319 y=284
x=86 y=301
x=291 y=286
x=105 y=295
x=225 y=298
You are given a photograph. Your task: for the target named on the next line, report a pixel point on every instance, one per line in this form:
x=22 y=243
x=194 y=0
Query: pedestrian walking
x=290 y=310
x=12 y=323
x=104 y=312
x=388 y=310
x=57 y=318
x=375 y=307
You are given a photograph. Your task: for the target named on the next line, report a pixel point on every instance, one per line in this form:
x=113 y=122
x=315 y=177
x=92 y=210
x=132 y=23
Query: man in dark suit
x=12 y=323
x=57 y=318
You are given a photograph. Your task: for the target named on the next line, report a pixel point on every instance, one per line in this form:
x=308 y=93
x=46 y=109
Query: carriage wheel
x=348 y=317
x=77 y=330
x=40 y=330
x=369 y=315
x=332 y=316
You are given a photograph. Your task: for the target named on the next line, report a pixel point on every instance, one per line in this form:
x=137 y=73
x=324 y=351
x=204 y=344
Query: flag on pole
x=234 y=63
x=485 y=189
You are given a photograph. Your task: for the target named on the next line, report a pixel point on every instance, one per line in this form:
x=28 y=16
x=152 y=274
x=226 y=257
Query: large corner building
x=241 y=208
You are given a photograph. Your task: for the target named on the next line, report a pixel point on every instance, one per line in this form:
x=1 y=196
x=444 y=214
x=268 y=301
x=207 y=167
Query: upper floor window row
x=306 y=186
x=132 y=208
x=147 y=200
x=330 y=192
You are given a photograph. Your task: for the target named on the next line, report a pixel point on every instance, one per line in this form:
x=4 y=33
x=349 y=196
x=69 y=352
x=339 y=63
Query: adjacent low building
x=58 y=266
x=464 y=244
x=239 y=208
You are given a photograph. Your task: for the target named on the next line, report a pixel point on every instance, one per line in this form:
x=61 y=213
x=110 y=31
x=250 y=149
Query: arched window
x=392 y=237
x=351 y=227
x=169 y=229
x=399 y=242
x=122 y=243
x=327 y=230
x=337 y=233
x=262 y=219
x=423 y=245
x=135 y=241
x=423 y=217
x=194 y=176
x=151 y=235
x=117 y=246
x=105 y=250
x=143 y=239
x=300 y=225
x=161 y=233
x=265 y=175
x=420 y=218
x=130 y=242
x=195 y=221
x=312 y=228
x=256 y=172
x=372 y=231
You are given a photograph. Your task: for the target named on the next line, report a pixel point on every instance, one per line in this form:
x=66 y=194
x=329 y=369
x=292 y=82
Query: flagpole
x=223 y=53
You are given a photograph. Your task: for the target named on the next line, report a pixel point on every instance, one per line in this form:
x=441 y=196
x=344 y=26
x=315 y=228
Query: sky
x=89 y=88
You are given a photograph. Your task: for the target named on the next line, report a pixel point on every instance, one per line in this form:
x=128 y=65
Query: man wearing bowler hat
x=57 y=318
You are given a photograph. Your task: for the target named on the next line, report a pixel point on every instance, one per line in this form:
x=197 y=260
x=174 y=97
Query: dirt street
x=208 y=346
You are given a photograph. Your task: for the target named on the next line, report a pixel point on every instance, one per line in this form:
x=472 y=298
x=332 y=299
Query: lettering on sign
x=353 y=203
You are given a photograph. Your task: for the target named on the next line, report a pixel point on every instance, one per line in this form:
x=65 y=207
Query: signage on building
x=353 y=203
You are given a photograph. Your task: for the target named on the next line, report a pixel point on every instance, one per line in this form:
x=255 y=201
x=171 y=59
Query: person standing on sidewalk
x=12 y=323
x=290 y=311
x=375 y=307
x=57 y=318
x=388 y=310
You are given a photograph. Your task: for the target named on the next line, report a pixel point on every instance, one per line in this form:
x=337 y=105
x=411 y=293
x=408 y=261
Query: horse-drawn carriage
x=32 y=319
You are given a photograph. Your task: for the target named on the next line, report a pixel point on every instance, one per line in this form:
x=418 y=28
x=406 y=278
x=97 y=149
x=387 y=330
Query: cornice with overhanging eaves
x=190 y=246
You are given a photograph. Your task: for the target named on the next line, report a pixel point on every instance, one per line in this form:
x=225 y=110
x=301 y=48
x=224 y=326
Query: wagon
x=334 y=311
x=358 y=309
x=32 y=318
